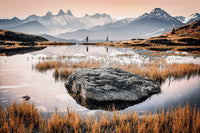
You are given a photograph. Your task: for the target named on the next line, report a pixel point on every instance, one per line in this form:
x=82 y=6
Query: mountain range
x=97 y=26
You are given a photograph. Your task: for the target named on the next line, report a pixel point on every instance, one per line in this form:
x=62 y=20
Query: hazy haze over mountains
x=98 y=26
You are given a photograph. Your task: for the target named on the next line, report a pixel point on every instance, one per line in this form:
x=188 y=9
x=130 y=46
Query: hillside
x=33 y=27
x=185 y=35
x=19 y=37
x=57 y=39
x=189 y=30
x=184 y=38
x=12 y=43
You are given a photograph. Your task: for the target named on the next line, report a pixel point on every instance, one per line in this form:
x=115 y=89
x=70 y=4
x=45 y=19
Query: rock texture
x=108 y=87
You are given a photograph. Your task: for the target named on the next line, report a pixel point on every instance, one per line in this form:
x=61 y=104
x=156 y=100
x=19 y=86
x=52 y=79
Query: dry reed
x=25 y=118
x=157 y=69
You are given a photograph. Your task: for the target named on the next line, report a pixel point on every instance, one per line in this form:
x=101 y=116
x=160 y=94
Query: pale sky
x=115 y=8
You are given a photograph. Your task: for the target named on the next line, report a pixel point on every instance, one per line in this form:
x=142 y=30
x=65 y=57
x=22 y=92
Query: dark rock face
x=108 y=87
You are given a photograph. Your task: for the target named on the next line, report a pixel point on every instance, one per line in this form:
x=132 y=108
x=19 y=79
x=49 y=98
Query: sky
x=115 y=8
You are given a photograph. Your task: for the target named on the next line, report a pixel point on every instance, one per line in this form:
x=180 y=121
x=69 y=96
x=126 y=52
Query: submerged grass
x=157 y=69
x=25 y=118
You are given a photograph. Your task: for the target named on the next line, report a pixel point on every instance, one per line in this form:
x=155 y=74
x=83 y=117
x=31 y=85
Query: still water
x=19 y=78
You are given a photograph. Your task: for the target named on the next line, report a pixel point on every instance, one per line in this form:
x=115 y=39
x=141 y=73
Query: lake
x=18 y=78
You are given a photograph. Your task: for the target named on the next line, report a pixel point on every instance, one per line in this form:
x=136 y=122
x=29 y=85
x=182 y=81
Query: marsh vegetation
x=156 y=69
x=25 y=117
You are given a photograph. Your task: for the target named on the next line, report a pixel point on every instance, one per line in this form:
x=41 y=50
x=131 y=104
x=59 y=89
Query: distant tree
x=173 y=31
x=87 y=39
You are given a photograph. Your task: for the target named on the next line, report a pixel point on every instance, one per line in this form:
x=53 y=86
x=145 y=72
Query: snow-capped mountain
x=180 y=18
x=67 y=20
x=189 y=19
x=98 y=26
x=97 y=20
x=116 y=24
x=49 y=19
x=60 y=22
x=156 y=22
x=160 y=16
x=192 y=18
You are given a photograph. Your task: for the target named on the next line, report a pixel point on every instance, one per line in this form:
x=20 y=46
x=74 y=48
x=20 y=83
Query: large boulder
x=108 y=87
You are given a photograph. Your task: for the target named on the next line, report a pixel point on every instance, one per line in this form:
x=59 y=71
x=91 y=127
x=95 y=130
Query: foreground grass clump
x=19 y=118
x=25 y=118
x=157 y=69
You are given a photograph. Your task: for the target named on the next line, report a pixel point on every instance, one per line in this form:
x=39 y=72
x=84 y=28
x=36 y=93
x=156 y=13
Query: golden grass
x=156 y=69
x=25 y=118
x=173 y=44
x=19 y=118
x=47 y=65
x=159 y=70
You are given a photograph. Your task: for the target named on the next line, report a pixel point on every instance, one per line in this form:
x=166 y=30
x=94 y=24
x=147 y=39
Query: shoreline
x=9 y=48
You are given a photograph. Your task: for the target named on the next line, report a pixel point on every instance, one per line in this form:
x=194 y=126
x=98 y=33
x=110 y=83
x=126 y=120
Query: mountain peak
x=61 y=12
x=196 y=15
x=86 y=15
x=16 y=19
x=69 y=13
x=158 y=12
x=49 y=14
x=98 y=15
x=193 y=17
x=104 y=15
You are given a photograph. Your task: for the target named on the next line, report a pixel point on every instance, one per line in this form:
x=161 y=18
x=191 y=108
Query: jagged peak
x=31 y=17
x=145 y=14
x=104 y=15
x=158 y=12
x=49 y=13
x=61 y=12
x=86 y=15
x=195 y=14
x=15 y=18
x=69 y=13
x=97 y=15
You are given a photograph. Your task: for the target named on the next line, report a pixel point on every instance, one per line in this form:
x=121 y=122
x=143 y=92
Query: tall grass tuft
x=19 y=118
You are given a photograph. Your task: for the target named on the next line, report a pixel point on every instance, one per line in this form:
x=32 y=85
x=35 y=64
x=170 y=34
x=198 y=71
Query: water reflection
x=17 y=79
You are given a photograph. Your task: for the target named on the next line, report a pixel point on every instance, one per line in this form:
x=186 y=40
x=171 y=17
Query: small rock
x=26 y=98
